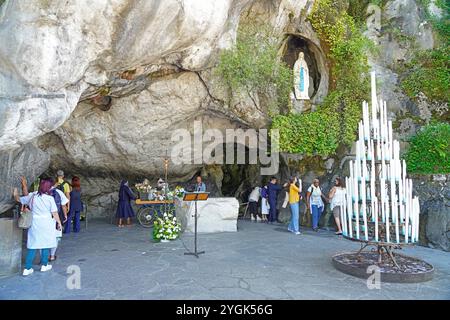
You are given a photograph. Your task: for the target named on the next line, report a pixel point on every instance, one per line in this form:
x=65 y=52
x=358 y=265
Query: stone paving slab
x=259 y=261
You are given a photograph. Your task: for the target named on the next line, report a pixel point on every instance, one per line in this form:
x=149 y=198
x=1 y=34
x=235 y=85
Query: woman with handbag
x=314 y=202
x=41 y=228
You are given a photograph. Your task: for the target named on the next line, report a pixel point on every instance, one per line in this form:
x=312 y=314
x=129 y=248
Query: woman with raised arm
x=42 y=233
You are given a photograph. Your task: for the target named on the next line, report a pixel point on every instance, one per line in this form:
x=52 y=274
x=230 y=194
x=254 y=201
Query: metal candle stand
x=379 y=208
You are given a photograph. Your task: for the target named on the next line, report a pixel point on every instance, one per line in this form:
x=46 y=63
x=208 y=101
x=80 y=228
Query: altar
x=214 y=215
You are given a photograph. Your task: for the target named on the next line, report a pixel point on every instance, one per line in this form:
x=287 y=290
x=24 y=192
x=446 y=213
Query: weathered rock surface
x=154 y=59
x=434 y=196
x=62 y=48
x=28 y=161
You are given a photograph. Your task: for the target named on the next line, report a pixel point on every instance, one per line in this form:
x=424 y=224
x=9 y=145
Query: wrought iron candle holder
x=380 y=209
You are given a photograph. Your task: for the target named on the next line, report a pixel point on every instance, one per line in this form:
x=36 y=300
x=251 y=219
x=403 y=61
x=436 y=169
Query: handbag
x=26 y=217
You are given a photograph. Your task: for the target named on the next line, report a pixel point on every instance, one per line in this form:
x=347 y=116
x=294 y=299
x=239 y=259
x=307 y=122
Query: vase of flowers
x=144 y=189
x=166 y=228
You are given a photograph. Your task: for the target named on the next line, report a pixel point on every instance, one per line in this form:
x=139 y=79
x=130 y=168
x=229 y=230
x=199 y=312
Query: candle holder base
x=393 y=267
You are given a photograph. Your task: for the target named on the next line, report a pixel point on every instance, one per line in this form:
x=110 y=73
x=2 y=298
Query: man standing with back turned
x=273 y=190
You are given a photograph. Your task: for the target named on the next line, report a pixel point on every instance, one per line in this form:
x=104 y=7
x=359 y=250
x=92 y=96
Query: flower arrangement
x=179 y=191
x=166 y=227
x=144 y=187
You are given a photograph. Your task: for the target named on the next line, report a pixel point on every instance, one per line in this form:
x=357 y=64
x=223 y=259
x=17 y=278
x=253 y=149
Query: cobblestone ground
x=258 y=262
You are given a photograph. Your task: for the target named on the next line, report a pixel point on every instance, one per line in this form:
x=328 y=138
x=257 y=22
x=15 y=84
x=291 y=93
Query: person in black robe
x=124 y=209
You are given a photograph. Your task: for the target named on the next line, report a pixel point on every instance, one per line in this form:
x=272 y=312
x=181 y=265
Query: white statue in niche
x=301 y=78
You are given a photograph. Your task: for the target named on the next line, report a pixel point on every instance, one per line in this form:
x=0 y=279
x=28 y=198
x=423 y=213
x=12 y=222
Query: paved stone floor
x=258 y=262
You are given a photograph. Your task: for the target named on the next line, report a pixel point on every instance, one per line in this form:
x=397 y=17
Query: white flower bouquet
x=166 y=227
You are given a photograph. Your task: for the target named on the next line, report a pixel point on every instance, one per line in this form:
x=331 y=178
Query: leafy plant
x=166 y=227
x=430 y=74
x=429 y=150
x=253 y=67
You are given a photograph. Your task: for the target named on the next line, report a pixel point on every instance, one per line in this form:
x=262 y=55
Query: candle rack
x=380 y=209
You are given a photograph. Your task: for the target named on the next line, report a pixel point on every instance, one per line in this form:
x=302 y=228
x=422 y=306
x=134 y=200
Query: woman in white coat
x=42 y=233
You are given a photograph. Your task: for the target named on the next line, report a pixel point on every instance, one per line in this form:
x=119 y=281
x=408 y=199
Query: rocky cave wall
x=155 y=60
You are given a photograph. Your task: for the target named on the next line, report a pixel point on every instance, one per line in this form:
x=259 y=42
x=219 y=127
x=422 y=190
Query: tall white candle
x=387 y=217
x=383 y=198
x=375 y=214
x=382 y=132
x=349 y=207
x=366 y=120
x=407 y=209
x=413 y=222
x=390 y=138
x=356 y=204
x=364 y=207
x=374 y=106
x=394 y=203
x=417 y=217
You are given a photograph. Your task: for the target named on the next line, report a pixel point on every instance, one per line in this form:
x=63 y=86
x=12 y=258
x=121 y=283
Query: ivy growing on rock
x=428 y=72
x=429 y=150
x=253 y=67
x=336 y=120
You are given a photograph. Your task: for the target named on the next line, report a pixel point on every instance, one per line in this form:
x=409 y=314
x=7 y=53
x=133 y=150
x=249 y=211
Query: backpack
x=61 y=186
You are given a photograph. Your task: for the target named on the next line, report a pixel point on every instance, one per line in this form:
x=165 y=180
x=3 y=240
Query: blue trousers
x=295 y=212
x=315 y=216
x=75 y=216
x=272 y=210
x=30 y=257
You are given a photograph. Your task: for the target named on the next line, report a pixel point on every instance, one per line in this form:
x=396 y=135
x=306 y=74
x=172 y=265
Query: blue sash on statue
x=302 y=79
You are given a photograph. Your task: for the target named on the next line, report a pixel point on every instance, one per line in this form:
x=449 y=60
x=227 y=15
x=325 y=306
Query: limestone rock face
x=28 y=161
x=434 y=196
x=56 y=50
x=397 y=28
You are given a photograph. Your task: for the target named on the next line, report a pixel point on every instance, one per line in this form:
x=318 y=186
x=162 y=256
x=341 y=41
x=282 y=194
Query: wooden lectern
x=195 y=196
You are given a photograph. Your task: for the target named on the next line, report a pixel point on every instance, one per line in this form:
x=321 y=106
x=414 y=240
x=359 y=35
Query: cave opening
x=296 y=44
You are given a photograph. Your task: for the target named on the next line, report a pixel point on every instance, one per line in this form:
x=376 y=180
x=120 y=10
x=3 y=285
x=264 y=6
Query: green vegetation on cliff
x=252 y=67
x=429 y=150
x=336 y=120
x=429 y=71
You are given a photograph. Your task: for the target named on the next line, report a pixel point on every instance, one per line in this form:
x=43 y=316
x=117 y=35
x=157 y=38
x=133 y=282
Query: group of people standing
x=53 y=205
x=267 y=195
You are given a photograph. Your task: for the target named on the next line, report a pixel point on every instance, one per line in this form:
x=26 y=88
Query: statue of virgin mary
x=301 y=78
